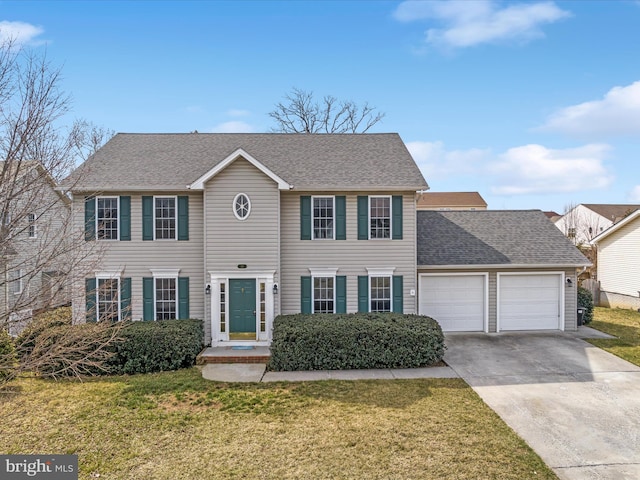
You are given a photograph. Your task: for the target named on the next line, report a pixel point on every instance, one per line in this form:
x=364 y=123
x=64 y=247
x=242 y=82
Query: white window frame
x=381 y=273
x=313 y=292
x=32 y=229
x=117 y=221
x=233 y=206
x=175 y=218
x=108 y=276
x=19 y=280
x=390 y=217
x=333 y=223
x=322 y=272
x=164 y=273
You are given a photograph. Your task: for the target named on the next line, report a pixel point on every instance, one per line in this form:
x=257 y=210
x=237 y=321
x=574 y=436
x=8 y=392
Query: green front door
x=242 y=309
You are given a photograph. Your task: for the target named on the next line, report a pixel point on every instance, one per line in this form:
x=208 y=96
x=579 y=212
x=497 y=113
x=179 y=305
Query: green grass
x=176 y=425
x=623 y=324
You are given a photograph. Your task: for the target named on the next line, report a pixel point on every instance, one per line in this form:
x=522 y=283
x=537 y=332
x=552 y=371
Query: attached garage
x=496 y=271
x=457 y=302
x=530 y=301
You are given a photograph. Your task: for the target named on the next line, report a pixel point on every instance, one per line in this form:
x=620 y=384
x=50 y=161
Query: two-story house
x=238 y=228
x=34 y=239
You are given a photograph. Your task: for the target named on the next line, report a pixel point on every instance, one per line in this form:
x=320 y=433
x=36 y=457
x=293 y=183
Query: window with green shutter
x=89 y=218
x=90 y=294
x=398 y=294
x=125 y=299
x=147 y=218
x=305 y=217
x=305 y=294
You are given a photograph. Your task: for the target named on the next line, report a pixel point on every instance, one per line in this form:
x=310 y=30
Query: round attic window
x=241 y=206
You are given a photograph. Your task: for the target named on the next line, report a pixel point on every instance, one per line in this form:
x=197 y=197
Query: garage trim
x=561 y=294
x=421 y=277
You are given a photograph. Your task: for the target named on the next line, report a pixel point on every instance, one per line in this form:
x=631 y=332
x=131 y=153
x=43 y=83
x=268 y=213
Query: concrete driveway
x=577 y=406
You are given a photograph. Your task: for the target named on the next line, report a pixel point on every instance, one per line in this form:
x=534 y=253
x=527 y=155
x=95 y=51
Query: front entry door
x=242 y=309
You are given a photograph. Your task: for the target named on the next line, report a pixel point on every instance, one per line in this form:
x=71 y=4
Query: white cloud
x=535 y=169
x=472 y=23
x=618 y=113
x=232 y=127
x=634 y=196
x=19 y=32
x=436 y=162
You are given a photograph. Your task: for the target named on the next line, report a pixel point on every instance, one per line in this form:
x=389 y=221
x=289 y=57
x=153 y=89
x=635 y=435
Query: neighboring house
x=450 y=201
x=619 y=263
x=32 y=266
x=553 y=216
x=480 y=271
x=585 y=221
x=238 y=228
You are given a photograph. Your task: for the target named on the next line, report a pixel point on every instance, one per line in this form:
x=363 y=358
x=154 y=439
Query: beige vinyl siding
x=136 y=257
x=570 y=293
x=230 y=242
x=619 y=260
x=351 y=256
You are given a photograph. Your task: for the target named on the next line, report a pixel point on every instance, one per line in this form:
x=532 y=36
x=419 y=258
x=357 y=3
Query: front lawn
x=623 y=324
x=178 y=426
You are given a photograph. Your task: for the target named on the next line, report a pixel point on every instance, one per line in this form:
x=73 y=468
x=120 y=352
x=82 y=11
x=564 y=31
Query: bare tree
x=38 y=246
x=300 y=113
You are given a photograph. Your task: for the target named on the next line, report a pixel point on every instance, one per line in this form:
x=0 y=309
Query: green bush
x=585 y=300
x=7 y=355
x=354 y=341
x=156 y=346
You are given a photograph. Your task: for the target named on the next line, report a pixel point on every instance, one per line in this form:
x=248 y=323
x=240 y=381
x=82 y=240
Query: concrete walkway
x=247 y=372
x=577 y=406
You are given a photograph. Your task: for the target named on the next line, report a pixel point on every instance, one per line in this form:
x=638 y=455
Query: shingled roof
x=435 y=200
x=305 y=161
x=493 y=237
x=612 y=211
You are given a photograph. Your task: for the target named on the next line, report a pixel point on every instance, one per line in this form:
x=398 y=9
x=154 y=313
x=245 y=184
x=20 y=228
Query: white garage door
x=457 y=302
x=529 y=302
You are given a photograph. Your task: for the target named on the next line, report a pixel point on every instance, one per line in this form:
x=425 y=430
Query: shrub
x=26 y=340
x=156 y=346
x=7 y=356
x=354 y=341
x=585 y=300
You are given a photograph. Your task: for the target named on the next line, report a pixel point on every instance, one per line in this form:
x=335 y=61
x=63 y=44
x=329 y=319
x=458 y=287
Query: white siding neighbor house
x=586 y=221
x=619 y=263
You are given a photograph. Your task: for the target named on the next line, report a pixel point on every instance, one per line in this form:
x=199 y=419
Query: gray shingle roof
x=306 y=161
x=493 y=237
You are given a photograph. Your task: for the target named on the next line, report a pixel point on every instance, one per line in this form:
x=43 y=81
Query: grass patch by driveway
x=623 y=324
x=176 y=425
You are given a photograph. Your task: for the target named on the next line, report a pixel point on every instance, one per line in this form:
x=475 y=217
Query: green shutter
x=341 y=294
x=305 y=294
x=305 y=217
x=90 y=292
x=125 y=218
x=398 y=293
x=363 y=293
x=396 y=217
x=125 y=298
x=147 y=298
x=363 y=218
x=147 y=218
x=183 y=218
x=89 y=218
x=341 y=218
x=183 y=297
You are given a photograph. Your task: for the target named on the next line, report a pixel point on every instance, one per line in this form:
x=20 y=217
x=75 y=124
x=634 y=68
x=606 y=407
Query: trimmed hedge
x=354 y=341
x=585 y=300
x=157 y=346
x=140 y=347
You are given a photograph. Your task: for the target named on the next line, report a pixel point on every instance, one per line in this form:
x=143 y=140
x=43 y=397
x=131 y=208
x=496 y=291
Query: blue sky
x=533 y=104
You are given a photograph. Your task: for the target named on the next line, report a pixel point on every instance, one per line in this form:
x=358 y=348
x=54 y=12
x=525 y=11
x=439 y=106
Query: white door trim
x=219 y=338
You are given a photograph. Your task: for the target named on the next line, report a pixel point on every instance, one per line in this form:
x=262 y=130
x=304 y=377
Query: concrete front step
x=227 y=355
